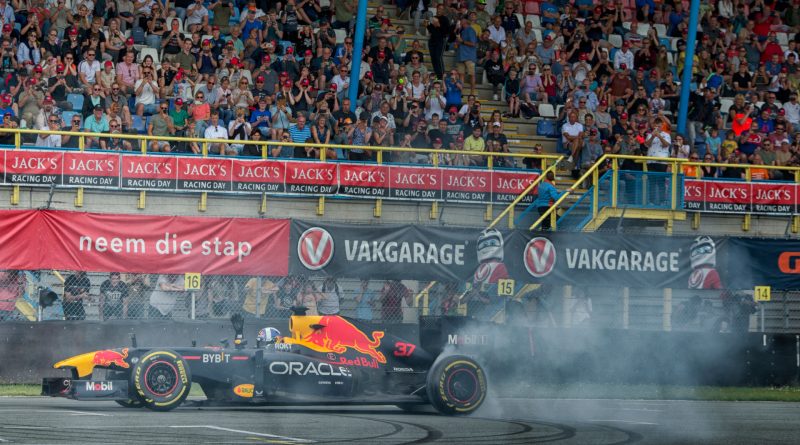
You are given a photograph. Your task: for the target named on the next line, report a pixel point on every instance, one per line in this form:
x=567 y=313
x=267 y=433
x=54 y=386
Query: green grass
x=610 y=391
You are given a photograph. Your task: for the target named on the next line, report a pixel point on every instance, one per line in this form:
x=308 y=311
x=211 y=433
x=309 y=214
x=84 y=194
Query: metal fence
x=52 y=295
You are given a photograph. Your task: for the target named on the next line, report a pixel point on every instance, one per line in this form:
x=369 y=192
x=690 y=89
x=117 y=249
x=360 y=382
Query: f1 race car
x=324 y=360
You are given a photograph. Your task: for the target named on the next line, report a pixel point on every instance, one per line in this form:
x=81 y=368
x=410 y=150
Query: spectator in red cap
x=380 y=68
x=30 y=99
x=624 y=57
x=106 y=77
x=206 y=62
x=40 y=122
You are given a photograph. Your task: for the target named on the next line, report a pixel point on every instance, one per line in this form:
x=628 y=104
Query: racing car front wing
x=85 y=389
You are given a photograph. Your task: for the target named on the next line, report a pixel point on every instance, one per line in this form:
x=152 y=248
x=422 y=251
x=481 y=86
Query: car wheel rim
x=462 y=385
x=161 y=378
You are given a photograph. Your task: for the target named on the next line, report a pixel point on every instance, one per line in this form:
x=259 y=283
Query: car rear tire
x=161 y=378
x=456 y=385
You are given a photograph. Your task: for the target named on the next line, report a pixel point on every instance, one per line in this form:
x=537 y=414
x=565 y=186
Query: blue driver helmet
x=268 y=335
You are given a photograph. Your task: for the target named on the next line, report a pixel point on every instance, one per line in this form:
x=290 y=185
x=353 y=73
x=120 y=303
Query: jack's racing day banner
x=59 y=240
x=763 y=197
x=446 y=253
x=255 y=176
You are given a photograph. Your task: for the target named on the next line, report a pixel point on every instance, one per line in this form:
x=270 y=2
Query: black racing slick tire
x=161 y=378
x=456 y=385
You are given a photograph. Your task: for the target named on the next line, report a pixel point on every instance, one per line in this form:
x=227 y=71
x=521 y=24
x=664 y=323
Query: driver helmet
x=268 y=335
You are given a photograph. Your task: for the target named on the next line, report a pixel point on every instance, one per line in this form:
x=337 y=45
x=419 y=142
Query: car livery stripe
x=191 y=357
x=240 y=357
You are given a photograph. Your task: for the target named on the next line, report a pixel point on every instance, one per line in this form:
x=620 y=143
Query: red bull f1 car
x=324 y=360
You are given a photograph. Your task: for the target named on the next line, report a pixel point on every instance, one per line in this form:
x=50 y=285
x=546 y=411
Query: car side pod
x=456 y=385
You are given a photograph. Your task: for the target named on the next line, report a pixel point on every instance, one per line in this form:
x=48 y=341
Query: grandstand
x=199 y=86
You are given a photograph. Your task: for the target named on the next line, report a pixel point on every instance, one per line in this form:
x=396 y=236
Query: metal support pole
x=194 y=306
x=667 y=320
x=626 y=307
x=259 y=283
x=686 y=79
x=358 y=47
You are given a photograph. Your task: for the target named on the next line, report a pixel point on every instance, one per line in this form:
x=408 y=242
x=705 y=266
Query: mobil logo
x=539 y=257
x=315 y=248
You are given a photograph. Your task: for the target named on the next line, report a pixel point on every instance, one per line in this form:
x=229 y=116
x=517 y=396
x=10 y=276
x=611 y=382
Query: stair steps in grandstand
x=520 y=132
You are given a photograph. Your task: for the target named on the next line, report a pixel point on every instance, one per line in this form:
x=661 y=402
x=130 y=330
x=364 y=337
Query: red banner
x=765 y=198
x=204 y=174
x=258 y=176
x=33 y=167
x=91 y=169
x=149 y=172
x=507 y=186
x=467 y=185
x=311 y=178
x=416 y=183
x=364 y=180
x=147 y=244
x=245 y=176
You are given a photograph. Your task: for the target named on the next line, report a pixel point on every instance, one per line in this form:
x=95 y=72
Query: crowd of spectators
x=280 y=70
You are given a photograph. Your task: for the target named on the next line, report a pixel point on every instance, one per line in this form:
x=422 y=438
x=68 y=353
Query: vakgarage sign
x=256 y=176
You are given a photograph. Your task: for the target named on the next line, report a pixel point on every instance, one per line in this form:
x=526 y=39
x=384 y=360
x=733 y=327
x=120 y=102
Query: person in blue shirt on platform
x=547 y=196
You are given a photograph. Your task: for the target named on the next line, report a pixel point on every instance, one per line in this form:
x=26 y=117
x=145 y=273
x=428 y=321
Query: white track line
x=252 y=433
x=73 y=412
x=622 y=421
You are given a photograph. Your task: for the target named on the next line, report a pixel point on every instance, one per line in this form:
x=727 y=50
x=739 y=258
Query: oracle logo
x=789 y=262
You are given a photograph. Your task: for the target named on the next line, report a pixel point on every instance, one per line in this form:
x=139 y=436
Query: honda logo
x=315 y=248
x=539 y=257
x=789 y=262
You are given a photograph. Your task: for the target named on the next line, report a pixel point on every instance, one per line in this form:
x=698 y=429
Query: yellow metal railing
x=143 y=141
x=509 y=210
x=676 y=168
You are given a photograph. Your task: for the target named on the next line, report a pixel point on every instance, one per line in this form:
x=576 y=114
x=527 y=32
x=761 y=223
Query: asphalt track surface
x=512 y=421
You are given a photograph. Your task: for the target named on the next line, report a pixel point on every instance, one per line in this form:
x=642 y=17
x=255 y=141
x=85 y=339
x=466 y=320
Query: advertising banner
x=91 y=169
x=204 y=174
x=137 y=243
x=276 y=177
x=444 y=254
x=258 y=176
x=149 y=172
x=382 y=252
x=765 y=198
x=33 y=167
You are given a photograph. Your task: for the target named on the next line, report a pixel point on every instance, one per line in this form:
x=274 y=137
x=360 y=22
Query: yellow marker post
x=505 y=287
x=192 y=281
x=763 y=293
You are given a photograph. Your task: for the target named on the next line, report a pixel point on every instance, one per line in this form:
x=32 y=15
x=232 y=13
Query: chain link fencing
x=67 y=295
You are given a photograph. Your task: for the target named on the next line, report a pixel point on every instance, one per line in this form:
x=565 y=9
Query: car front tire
x=161 y=378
